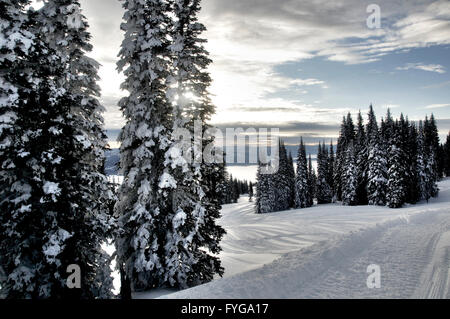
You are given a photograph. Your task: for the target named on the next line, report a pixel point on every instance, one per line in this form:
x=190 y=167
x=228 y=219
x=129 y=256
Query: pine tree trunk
x=125 y=286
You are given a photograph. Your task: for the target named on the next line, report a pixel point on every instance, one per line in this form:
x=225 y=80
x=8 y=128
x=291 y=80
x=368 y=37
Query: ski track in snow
x=324 y=252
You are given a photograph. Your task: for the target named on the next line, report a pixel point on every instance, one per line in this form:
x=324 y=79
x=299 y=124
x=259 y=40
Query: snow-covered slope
x=324 y=252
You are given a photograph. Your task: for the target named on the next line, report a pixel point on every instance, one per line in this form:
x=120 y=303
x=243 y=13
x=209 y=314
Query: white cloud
x=390 y=106
x=424 y=67
x=436 y=106
x=269 y=33
x=437 y=85
x=247 y=39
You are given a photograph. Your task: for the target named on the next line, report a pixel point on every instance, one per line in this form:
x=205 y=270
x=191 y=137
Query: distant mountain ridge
x=113 y=158
x=112 y=161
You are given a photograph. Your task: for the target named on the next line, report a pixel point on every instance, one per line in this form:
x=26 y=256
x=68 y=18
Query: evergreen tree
x=431 y=187
x=339 y=162
x=412 y=184
x=441 y=161
x=387 y=128
x=142 y=207
x=194 y=198
x=16 y=87
x=66 y=31
x=265 y=190
x=432 y=142
x=330 y=170
x=407 y=156
x=236 y=193
x=350 y=178
x=312 y=182
x=396 y=192
x=281 y=180
x=291 y=180
x=66 y=204
x=361 y=161
x=302 y=196
x=421 y=164
x=323 y=189
x=250 y=192
x=447 y=156
x=346 y=136
x=426 y=162
x=225 y=187
x=377 y=163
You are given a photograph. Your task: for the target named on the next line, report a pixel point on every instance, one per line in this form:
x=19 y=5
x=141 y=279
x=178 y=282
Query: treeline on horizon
x=233 y=188
x=394 y=163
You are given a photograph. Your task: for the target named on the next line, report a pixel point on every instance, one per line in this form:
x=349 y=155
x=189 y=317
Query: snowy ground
x=324 y=252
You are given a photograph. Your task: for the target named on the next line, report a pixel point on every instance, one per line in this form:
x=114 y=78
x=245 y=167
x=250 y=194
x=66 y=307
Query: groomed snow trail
x=324 y=252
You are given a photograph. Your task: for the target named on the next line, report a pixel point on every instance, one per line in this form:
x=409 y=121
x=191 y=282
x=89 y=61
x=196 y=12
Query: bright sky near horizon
x=302 y=65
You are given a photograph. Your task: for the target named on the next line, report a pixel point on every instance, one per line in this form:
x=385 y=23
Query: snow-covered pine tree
x=407 y=135
x=246 y=187
x=350 y=178
x=142 y=209
x=194 y=199
x=265 y=191
x=421 y=164
x=260 y=196
x=377 y=163
x=441 y=161
x=323 y=190
x=447 y=156
x=337 y=173
x=361 y=161
x=431 y=186
x=412 y=193
x=235 y=190
x=281 y=180
x=330 y=170
x=325 y=162
x=432 y=145
x=226 y=191
x=396 y=185
x=387 y=128
x=291 y=180
x=346 y=136
x=16 y=85
x=231 y=190
x=62 y=156
x=312 y=182
x=250 y=192
x=301 y=181
x=81 y=148
x=223 y=186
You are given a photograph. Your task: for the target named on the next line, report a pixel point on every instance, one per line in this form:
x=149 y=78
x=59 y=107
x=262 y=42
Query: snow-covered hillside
x=324 y=252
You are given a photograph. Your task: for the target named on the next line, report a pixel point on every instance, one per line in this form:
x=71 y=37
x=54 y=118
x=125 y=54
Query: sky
x=301 y=65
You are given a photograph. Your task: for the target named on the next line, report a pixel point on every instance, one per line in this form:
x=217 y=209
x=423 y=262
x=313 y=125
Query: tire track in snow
x=408 y=250
x=324 y=252
x=435 y=280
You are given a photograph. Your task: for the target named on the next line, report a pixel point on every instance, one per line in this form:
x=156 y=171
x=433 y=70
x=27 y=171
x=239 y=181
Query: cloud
x=437 y=86
x=390 y=106
x=424 y=67
x=247 y=39
x=291 y=30
x=436 y=106
x=309 y=82
x=444 y=128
